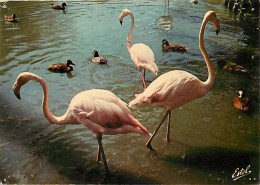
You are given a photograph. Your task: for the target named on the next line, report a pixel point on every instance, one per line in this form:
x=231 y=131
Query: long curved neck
x=45 y=106
x=210 y=81
x=129 y=37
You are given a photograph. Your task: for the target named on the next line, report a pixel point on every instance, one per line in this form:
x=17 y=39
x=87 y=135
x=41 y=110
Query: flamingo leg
x=143 y=78
x=148 y=144
x=168 y=127
x=99 y=153
x=99 y=138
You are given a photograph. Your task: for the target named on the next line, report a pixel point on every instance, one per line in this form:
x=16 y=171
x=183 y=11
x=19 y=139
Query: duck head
x=69 y=62
x=95 y=53
x=165 y=43
x=63 y=5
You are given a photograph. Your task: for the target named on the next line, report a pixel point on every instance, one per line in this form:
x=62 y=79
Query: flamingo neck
x=45 y=106
x=129 y=37
x=211 y=77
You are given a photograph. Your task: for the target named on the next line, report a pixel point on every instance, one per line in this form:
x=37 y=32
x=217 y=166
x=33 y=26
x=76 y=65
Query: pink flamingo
x=176 y=88
x=141 y=54
x=99 y=110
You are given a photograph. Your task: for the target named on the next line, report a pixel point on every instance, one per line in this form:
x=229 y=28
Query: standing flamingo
x=99 y=110
x=176 y=88
x=141 y=54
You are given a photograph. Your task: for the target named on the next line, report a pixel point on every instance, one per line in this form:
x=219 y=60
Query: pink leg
x=99 y=138
x=143 y=79
x=168 y=127
x=148 y=144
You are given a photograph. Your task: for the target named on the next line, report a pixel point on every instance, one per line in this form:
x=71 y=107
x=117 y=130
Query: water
x=209 y=137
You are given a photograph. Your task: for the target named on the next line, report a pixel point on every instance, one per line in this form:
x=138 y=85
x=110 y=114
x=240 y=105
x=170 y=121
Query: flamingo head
x=212 y=17
x=21 y=80
x=124 y=13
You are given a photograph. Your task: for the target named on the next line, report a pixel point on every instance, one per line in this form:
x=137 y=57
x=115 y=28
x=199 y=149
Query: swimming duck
x=98 y=59
x=231 y=66
x=58 y=7
x=194 y=1
x=11 y=18
x=241 y=101
x=172 y=47
x=61 y=68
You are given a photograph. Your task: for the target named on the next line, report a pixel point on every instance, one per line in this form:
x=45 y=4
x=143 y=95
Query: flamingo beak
x=17 y=95
x=121 y=22
x=217 y=31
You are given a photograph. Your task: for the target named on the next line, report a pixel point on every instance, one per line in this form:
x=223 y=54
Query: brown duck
x=61 y=67
x=231 y=66
x=98 y=59
x=11 y=18
x=59 y=7
x=241 y=101
x=173 y=47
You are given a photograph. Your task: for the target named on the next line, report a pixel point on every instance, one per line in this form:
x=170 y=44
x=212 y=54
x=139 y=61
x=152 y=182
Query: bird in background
x=61 y=67
x=140 y=54
x=177 y=87
x=59 y=7
x=98 y=59
x=99 y=110
x=11 y=18
x=241 y=102
x=173 y=47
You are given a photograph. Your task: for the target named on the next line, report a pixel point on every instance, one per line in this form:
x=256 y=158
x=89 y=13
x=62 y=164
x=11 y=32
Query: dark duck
x=98 y=59
x=59 y=7
x=173 y=47
x=61 y=67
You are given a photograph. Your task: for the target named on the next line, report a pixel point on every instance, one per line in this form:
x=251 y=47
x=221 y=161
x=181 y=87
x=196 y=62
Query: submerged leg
x=143 y=78
x=99 y=152
x=99 y=138
x=148 y=144
x=168 y=127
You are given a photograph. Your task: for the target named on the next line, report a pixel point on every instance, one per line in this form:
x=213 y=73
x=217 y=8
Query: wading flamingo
x=176 y=88
x=141 y=54
x=99 y=110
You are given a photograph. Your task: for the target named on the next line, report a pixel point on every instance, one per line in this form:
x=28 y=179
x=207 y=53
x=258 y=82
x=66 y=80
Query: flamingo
x=99 y=110
x=177 y=87
x=141 y=54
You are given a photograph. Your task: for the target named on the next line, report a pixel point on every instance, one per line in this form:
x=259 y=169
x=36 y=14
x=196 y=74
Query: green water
x=210 y=139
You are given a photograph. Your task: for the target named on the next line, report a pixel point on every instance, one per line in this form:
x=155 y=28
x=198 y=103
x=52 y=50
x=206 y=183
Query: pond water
x=210 y=139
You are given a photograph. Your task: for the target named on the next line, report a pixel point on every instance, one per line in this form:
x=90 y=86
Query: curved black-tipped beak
x=217 y=32
x=18 y=95
x=121 y=22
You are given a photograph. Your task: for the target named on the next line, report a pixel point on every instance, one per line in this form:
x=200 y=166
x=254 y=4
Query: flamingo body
x=143 y=57
x=99 y=110
x=171 y=90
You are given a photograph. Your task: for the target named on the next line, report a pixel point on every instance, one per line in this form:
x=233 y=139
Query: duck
x=241 y=102
x=231 y=66
x=61 y=67
x=173 y=47
x=194 y=1
x=98 y=59
x=11 y=18
x=58 y=7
